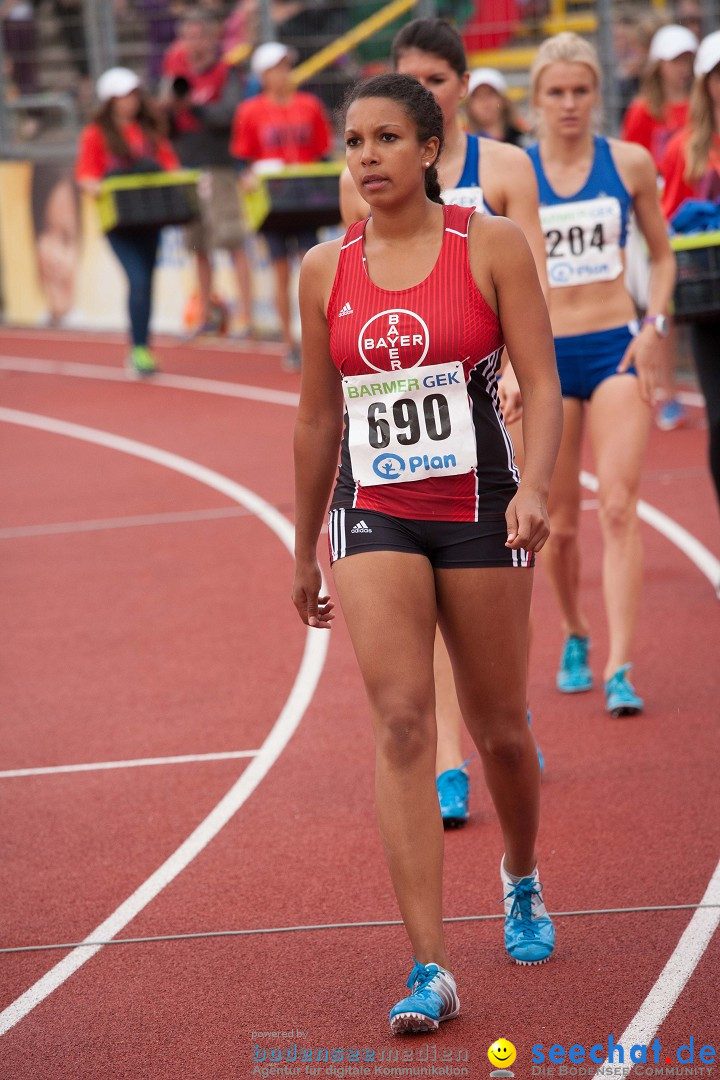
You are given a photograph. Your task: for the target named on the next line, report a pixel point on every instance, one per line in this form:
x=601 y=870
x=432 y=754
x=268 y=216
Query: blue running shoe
x=574 y=676
x=453 y=788
x=433 y=999
x=541 y=759
x=671 y=415
x=620 y=696
x=529 y=932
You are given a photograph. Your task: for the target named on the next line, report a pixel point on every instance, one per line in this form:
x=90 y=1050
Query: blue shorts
x=586 y=360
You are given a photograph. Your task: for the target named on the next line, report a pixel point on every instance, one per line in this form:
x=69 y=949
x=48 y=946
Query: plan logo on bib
x=393 y=340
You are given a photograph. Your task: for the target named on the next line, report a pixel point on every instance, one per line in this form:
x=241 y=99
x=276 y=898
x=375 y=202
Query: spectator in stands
x=124 y=137
x=20 y=39
x=281 y=126
x=489 y=110
x=690 y=14
x=71 y=26
x=652 y=119
x=161 y=20
x=691 y=170
x=201 y=93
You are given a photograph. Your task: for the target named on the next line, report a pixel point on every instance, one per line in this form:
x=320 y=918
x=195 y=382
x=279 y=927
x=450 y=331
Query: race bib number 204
x=409 y=425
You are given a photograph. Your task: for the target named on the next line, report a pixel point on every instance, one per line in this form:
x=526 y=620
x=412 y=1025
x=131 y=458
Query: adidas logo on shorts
x=345 y=310
x=361 y=527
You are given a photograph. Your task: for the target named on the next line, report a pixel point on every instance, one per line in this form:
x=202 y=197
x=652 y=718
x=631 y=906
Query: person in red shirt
x=285 y=127
x=651 y=120
x=125 y=136
x=691 y=170
x=662 y=105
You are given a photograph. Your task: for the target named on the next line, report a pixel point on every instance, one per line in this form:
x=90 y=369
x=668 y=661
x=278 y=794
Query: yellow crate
x=147 y=200
x=287 y=199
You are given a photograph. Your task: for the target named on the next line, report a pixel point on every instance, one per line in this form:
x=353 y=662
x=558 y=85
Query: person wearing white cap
x=125 y=136
x=691 y=170
x=660 y=110
x=662 y=105
x=489 y=110
x=283 y=126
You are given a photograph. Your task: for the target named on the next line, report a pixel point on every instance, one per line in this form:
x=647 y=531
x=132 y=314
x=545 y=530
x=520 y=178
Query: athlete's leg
x=388 y=601
x=484 y=615
x=449 y=716
x=561 y=553
x=616 y=407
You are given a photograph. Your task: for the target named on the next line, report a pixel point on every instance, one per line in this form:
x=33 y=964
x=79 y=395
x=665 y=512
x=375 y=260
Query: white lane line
x=673 y=977
x=133 y=763
x=676 y=534
x=177 y=382
x=313 y=659
x=696 y=552
x=136 y=521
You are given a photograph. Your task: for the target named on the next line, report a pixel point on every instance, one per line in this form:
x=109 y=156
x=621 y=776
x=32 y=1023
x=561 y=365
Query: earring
x=427 y=164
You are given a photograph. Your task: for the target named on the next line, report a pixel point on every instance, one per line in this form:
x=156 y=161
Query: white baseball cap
x=669 y=42
x=116 y=82
x=708 y=55
x=487 y=77
x=268 y=56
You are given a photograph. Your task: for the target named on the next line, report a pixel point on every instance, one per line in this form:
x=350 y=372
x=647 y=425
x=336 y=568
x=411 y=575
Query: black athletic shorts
x=446 y=544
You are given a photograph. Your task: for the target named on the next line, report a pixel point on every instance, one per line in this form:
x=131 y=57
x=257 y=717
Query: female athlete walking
x=495 y=178
x=403 y=324
x=588 y=186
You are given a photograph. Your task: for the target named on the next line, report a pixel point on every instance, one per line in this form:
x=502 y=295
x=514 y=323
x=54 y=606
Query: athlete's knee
x=405 y=733
x=504 y=747
x=617 y=510
x=563 y=536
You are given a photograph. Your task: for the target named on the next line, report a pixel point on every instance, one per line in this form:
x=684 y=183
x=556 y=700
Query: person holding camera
x=201 y=92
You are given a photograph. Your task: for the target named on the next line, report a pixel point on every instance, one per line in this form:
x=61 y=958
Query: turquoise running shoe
x=529 y=932
x=453 y=788
x=620 y=696
x=574 y=675
x=541 y=759
x=434 y=998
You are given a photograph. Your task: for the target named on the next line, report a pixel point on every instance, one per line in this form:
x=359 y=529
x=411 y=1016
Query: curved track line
x=674 y=975
x=684 y=958
x=316 y=646
x=669 y=528
x=698 y=554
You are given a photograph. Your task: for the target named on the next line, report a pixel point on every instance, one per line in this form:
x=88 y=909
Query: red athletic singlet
x=396 y=333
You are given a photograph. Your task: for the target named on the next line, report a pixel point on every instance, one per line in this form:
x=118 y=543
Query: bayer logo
x=388 y=466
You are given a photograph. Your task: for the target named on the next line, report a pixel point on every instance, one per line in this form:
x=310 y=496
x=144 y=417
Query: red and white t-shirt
x=297 y=131
x=419 y=370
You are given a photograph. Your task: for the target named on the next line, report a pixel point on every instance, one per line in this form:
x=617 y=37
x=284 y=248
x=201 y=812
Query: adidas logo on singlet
x=361 y=527
x=345 y=310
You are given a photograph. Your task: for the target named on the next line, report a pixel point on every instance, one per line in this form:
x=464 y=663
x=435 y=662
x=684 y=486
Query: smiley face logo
x=502 y=1054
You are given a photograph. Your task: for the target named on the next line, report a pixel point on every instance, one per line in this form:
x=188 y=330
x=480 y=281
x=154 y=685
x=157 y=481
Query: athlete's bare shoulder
x=318 y=270
x=506 y=174
x=634 y=163
x=496 y=247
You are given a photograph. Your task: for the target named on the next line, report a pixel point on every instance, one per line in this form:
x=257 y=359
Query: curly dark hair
x=419 y=105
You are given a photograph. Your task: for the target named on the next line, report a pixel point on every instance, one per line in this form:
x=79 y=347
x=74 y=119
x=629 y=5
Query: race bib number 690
x=409 y=425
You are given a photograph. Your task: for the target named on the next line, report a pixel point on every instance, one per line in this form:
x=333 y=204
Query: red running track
x=147 y=616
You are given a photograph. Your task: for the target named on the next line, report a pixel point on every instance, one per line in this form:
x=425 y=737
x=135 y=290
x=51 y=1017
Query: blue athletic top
x=469 y=179
x=585 y=232
x=604 y=180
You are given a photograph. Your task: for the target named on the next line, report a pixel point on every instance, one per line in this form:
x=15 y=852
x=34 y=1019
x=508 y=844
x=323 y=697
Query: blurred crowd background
x=53 y=51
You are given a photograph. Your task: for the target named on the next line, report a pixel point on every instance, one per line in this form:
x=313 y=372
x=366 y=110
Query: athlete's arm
x=514 y=175
x=318 y=430
x=639 y=174
x=352 y=205
x=505 y=272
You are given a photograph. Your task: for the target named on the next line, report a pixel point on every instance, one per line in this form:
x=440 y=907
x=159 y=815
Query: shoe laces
x=421 y=976
x=576 y=651
x=619 y=680
x=522 y=901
